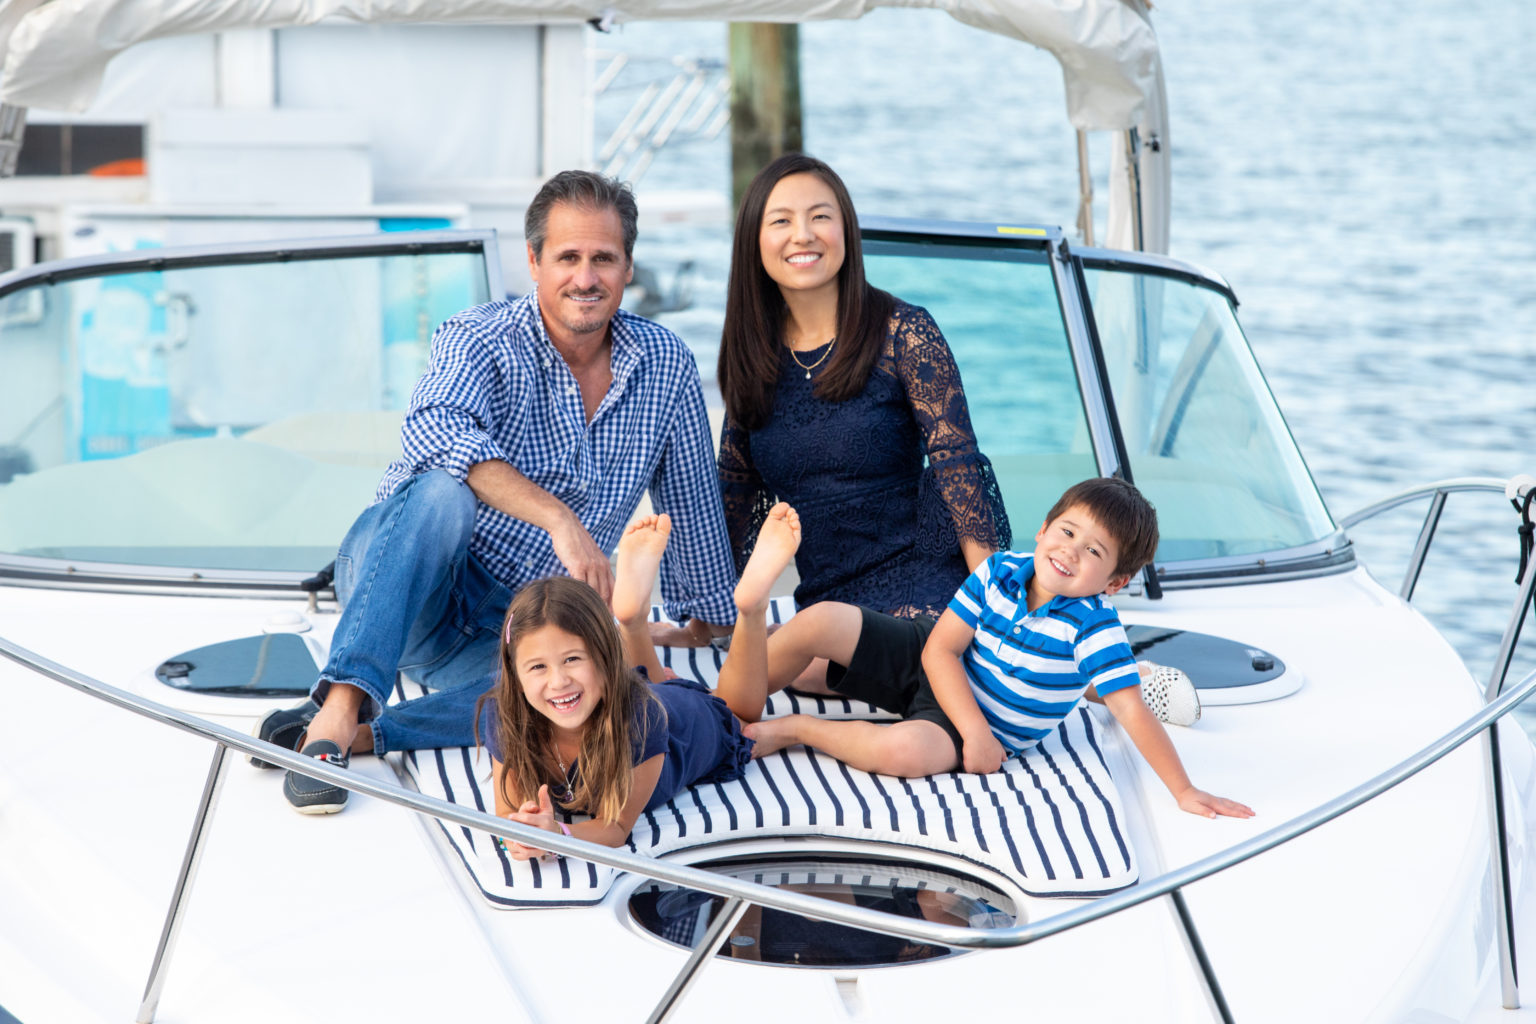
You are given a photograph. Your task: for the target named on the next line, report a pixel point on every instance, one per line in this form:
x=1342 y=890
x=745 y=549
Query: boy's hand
x=984 y=754
x=1197 y=801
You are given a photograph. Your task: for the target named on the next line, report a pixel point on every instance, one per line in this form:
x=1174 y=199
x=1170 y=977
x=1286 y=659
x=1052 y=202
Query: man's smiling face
x=581 y=273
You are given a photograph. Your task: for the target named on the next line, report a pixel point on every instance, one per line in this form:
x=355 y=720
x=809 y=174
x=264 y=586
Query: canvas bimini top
x=56 y=52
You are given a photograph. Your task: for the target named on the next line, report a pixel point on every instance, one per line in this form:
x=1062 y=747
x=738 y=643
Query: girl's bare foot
x=777 y=543
x=772 y=734
x=639 y=558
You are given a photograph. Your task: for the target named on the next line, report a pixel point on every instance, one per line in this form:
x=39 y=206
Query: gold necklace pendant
x=817 y=363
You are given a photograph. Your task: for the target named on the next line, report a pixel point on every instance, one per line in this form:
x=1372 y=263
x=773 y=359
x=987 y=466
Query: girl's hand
x=538 y=813
x=1197 y=801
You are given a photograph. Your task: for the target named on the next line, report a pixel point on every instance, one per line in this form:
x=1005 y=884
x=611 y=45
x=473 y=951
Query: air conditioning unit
x=18 y=243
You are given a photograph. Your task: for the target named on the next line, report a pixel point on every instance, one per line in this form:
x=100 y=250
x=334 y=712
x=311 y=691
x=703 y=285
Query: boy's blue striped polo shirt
x=1027 y=669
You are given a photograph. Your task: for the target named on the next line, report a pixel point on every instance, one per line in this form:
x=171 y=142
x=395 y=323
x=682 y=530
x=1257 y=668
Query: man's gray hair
x=587 y=189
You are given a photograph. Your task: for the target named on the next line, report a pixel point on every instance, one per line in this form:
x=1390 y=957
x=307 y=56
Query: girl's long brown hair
x=602 y=785
x=748 y=371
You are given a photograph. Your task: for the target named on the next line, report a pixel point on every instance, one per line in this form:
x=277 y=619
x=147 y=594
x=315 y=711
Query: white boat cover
x=55 y=51
x=1051 y=820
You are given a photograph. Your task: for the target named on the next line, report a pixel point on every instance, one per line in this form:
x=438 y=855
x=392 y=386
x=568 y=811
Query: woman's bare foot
x=772 y=734
x=639 y=558
x=777 y=543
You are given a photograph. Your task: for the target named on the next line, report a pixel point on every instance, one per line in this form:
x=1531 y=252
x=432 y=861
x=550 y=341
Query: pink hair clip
x=506 y=632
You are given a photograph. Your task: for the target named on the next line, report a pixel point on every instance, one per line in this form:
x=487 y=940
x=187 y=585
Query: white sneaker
x=1169 y=693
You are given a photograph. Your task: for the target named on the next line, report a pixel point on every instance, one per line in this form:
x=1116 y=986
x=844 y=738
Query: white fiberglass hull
x=1384 y=914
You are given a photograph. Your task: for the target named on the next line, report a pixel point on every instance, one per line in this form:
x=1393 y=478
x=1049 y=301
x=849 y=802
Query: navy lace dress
x=886 y=483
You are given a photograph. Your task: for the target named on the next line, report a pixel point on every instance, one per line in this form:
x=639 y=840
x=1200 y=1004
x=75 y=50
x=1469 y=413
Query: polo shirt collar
x=1014 y=582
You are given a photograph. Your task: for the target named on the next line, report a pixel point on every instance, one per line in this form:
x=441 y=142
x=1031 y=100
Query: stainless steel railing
x=731 y=888
x=739 y=893
x=1437 y=494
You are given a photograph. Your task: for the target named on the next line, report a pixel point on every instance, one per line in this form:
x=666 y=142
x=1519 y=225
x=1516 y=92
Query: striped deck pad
x=1051 y=820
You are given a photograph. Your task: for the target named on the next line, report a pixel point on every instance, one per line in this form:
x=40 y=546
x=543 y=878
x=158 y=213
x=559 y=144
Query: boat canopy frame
x=739 y=893
x=53 y=55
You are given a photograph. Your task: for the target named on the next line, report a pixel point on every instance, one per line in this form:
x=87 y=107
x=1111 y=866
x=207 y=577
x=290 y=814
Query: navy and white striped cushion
x=1050 y=820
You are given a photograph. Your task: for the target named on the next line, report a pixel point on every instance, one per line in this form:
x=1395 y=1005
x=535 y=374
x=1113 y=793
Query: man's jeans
x=414 y=600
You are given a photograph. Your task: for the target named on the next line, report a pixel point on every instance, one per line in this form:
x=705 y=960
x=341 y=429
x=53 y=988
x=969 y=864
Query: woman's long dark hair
x=754 y=308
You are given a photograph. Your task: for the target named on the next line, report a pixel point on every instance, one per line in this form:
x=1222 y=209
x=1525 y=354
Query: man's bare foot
x=639 y=558
x=772 y=734
x=777 y=543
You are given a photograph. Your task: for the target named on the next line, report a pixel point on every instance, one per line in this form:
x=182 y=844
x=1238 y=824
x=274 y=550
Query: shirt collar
x=626 y=349
x=626 y=346
x=1014 y=582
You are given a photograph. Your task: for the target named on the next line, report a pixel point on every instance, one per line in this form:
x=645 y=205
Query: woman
x=835 y=393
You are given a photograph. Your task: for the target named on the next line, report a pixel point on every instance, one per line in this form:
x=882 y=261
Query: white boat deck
x=1352 y=921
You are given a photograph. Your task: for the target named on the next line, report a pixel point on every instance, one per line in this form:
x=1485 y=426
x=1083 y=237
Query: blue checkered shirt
x=496 y=388
x=1028 y=669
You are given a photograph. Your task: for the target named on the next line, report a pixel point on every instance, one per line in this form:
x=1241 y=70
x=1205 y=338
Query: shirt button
x=1018 y=629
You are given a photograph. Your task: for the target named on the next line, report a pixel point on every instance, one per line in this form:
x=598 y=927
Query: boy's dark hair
x=1123 y=511
x=588 y=190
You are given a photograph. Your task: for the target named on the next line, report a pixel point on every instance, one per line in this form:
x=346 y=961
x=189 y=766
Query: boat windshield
x=213 y=417
x=999 y=310
x=1204 y=437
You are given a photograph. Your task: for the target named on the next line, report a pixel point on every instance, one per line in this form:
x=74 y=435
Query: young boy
x=1018 y=648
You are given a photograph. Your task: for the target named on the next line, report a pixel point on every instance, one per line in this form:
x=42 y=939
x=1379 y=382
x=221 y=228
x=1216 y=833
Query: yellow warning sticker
x=1004 y=229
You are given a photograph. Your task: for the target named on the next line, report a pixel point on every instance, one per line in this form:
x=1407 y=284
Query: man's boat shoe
x=284 y=727
x=316 y=796
x=1170 y=694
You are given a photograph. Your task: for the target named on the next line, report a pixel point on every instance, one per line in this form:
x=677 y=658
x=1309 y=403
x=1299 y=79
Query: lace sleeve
x=959 y=471
x=747 y=499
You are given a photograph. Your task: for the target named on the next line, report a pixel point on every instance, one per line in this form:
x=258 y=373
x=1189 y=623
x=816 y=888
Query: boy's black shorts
x=886 y=670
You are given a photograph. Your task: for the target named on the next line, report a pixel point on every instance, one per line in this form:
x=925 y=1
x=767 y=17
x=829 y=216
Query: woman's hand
x=539 y=813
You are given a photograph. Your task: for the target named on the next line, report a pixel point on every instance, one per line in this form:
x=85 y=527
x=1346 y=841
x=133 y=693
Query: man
x=527 y=445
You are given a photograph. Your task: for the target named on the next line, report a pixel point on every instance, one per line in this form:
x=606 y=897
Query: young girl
x=571 y=723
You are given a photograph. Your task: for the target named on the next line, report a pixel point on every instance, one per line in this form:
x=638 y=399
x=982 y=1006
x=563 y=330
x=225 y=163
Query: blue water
x=1359 y=173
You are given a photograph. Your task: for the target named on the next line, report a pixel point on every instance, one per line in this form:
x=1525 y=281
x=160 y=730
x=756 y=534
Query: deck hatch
x=273 y=665
x=765 y=935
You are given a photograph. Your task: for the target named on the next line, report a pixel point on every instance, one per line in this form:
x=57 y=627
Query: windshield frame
x=1069 y=264
x=75 y=573
x=1327 y=555
x=1330 y=554
x=1052 y=245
